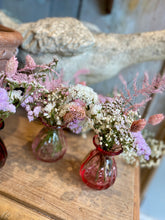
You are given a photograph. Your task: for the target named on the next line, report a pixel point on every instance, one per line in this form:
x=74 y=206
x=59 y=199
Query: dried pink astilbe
x=155 y=119
x=31 y=65
x=11 y=66
x=126 y=89
x=145 y=80
x=52 y=84
x=78 y=73
x=156 y=86
x=36 y=77
x=138 y=125
x=135 y=83
x=136 y=106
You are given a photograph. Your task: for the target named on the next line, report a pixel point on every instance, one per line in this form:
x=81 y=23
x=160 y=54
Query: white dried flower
x=48 y=108
x=83 y=93
x=15 y=95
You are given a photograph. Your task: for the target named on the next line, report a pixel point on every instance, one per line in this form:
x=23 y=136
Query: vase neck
x=51 y=126
x=115 y=150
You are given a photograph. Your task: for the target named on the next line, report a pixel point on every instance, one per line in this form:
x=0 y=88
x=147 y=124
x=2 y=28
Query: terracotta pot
x=9 y=41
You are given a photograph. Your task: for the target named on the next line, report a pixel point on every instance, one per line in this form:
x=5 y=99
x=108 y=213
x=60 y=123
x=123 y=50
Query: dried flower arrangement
x=6 y=106
x=157 y=150
x=16 y=86
x=115 y=120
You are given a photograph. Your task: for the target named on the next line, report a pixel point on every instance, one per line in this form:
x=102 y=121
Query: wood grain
x=136 y=214
x=12 y=210
x=55 y=189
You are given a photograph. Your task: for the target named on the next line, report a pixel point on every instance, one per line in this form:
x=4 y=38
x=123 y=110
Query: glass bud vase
x=99 y=169
x=49 y=145
x=3 y=150
x=3 y=153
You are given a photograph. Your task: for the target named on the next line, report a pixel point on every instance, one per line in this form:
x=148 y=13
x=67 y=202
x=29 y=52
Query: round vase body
x=3 y=150
x=98 y=171
x=49 y=145
x=3 y=153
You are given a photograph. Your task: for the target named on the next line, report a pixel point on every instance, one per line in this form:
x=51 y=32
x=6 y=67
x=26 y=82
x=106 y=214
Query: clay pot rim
x=9 y=36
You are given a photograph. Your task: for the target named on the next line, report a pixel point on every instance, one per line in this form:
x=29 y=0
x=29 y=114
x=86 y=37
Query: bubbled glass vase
x=3 y=150
x=99 y=169
x=49 y=145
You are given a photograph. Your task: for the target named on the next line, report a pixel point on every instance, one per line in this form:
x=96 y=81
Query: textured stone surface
x=65 y=36
x=76 y=47
x=7 y=21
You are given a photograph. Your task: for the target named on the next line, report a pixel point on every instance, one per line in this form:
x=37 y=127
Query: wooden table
x=31 y=189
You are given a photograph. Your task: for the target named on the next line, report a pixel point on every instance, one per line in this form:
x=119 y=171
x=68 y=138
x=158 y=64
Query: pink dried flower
x=79 y=102
x=155 y=119
x=18 y=78
x=76 y=112
x=30 y=62
x=104 y=99
x=82 y=83
x=52 y=84
x=11 y=66
x=147 y=89
x=138 y=125
x=78 y=73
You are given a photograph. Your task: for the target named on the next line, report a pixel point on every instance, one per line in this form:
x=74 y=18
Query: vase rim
x=118 y=150
x=51 y=126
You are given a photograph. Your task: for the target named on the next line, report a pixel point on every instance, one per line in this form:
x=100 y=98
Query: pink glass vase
x=99 y=169
x=49 y=145
x=3 y=151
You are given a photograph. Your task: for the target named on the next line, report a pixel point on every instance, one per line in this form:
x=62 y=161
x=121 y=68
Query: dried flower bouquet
x=115 y=120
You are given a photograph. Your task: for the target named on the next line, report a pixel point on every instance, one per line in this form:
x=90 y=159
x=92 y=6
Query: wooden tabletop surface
x=31 y=189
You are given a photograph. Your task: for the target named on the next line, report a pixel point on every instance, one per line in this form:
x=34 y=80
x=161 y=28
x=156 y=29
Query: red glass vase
x=99 y=169
x=3 y=150
x=49 y=145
